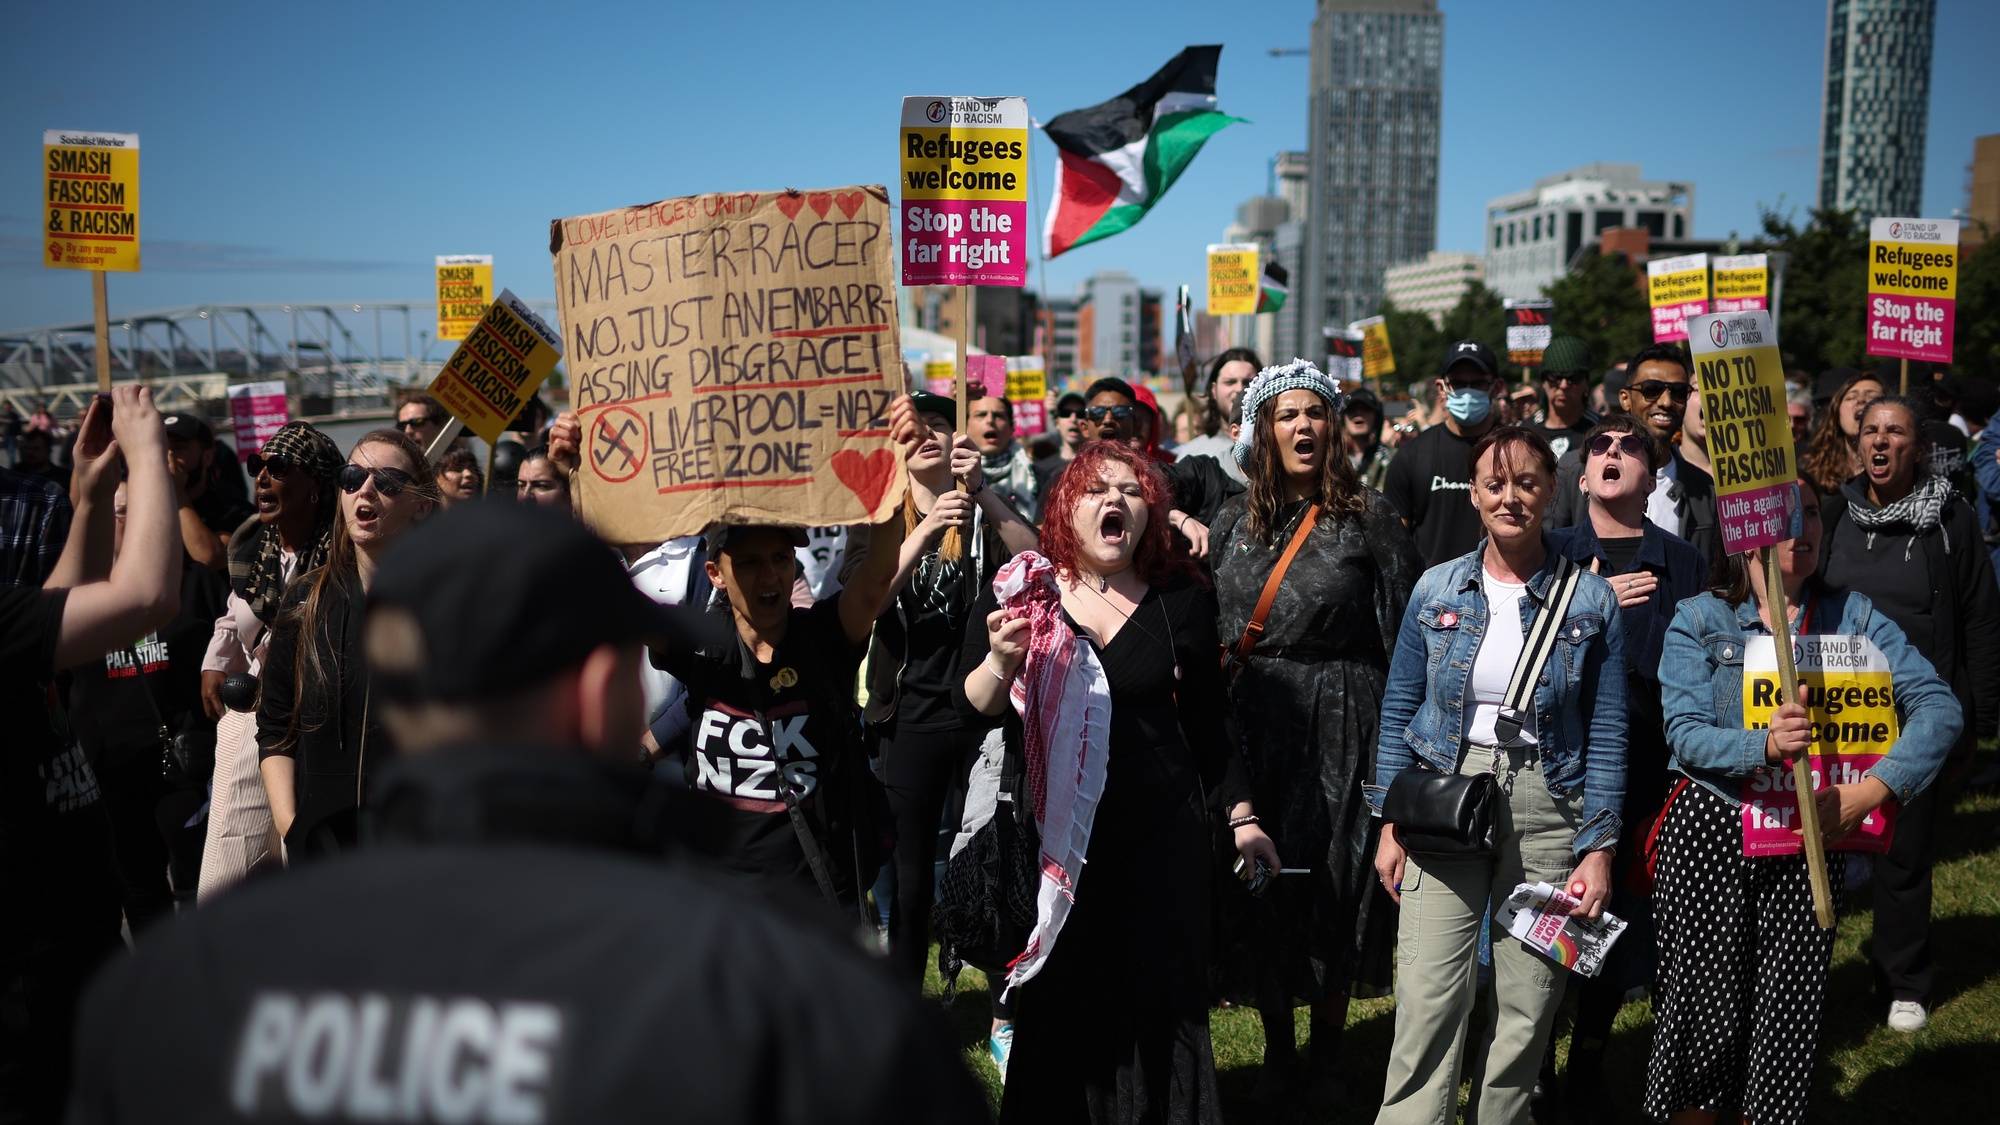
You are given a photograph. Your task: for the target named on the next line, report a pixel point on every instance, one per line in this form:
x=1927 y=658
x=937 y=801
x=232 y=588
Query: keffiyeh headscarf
x=1920 y=511
x=1298 y=375
x=256 y=557
x=1064 y=700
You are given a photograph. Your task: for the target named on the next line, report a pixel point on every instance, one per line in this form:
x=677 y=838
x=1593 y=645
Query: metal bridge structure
x=337 y=359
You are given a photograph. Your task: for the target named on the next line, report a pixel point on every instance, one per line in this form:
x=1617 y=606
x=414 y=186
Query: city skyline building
x=1435 y=285
x=1877 y=106
x=1376 y=91
x=1533 y=235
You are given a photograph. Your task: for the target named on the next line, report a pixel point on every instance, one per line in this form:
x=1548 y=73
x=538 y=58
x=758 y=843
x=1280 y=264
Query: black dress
x=1307 y=706
x=1115 y=1027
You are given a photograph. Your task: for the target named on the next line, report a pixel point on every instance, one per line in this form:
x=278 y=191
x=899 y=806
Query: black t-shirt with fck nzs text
x=756 y=726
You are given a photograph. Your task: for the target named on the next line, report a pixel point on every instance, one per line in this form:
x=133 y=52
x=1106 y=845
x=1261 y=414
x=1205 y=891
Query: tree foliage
x=1601 y=303
x=1822 y=309
x=1976 y=350
x=1416 y=342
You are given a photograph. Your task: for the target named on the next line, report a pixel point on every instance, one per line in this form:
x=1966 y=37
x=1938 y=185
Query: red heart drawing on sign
x=849 y=202
x=867 y=475
x=790 y=205
x=819 y=201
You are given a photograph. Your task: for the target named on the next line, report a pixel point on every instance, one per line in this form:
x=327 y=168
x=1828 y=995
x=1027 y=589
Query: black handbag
x=985 y=910
x=1438 y=813
x=1442 y=813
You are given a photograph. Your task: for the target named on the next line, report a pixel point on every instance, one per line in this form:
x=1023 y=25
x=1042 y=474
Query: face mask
x=1470 y=407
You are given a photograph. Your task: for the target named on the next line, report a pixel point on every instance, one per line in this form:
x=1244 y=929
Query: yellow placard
x=1678 y=288
x=1741 y=376
x=90 y=201
x=1028 y=384
x=502 y=363
x=464 y=290
x=1914 y=269
x=1378 y=359
x=1232 y=280
x=946 y=162
x=1741 y=284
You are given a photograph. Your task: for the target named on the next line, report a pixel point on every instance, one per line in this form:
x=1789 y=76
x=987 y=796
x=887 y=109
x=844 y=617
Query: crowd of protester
x=1141 y=716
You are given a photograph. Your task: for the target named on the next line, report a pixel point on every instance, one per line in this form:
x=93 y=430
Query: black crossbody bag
x=1438 y=813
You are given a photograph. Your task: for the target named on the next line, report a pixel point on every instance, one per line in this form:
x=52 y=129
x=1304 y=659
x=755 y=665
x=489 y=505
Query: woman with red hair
x=1107 y=649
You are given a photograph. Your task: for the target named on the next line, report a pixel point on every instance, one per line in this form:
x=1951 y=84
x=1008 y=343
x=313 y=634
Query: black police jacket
x=510 y=947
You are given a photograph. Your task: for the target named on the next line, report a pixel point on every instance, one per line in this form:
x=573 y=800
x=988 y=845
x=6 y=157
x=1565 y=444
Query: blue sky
x=327 y=152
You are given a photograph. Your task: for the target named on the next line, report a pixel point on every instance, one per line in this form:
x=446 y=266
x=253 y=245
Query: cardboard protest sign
x=965 y=190
x=1530 y=324
x=1232 y=280
x=732 y=359
x=1851 y=703
x=1378 y=359
x=90 y=200
x=258 y=411
x=1742 y=282
x=1344 y=353
x=498 y=367
x=1754 y=462
x=1912 y=288
x=464 y=289
x=1677 y=288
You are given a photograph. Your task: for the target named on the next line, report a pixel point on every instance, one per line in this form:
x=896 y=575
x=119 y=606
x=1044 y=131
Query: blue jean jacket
x=1579 y=711
x=1701 y=693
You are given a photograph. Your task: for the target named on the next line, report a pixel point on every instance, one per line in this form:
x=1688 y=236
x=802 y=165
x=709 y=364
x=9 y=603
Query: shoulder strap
x=1258 y=616
x=1536 y=647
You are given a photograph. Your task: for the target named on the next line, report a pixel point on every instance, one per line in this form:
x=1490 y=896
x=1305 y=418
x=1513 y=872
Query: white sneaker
x=1908 y=1016
x=1000 y=1047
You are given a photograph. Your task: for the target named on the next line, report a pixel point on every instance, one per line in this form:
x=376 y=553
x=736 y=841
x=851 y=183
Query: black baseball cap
x=717 y=537
x=189 y=426
x=502 y=596
x=1469 y=351
x=1361 y=398
x=928 y=403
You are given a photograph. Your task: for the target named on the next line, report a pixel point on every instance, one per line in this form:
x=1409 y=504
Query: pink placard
x=1771 y=809
x=965 y=242
x=1670 y=321
x=1741 y=304
x=1904 y=327
x=985 y=375
x=259 y=410
x=1760 y=517
x=945 y=387
x=1031 y=418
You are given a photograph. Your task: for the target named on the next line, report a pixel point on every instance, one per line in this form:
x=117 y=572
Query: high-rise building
x=1117 y=326
x=1982 y=202
x=1372 y=186
x=1059 y=340
x=1532 y=235
x=1291 y=174
x=1257 y=221
x=1878 y=92
x=1435 y=285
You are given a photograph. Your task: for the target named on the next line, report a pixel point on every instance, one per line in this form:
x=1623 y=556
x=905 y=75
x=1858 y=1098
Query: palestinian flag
x=1119 y=157
x=1274 y=288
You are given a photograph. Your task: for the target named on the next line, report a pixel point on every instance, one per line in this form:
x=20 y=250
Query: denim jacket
x=1579 y=711
x=1701 y=692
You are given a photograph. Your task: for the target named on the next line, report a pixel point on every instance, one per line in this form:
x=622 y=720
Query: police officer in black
x=511 y=944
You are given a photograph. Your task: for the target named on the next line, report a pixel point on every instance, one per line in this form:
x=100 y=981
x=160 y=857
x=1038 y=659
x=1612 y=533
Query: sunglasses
x=257 y=464
x=1654 y=388
x=1565 y=378
x=1100 y=413
x=1073 y=412
x=1631 y=445
x=413 y=423
x=388 y=482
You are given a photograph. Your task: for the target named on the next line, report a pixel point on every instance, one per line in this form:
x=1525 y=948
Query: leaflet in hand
x=1540 y=915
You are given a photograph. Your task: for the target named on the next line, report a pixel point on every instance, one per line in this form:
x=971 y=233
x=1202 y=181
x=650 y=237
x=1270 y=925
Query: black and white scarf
x=1920 y=511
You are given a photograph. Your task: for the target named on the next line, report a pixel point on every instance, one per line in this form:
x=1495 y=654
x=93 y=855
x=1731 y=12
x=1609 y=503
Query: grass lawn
x=1867 y=1073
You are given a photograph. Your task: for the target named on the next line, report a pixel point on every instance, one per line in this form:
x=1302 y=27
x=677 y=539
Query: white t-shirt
x=1660 y=508
x=1493 y=665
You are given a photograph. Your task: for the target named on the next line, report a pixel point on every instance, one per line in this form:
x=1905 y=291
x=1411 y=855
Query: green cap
x=1565 y=354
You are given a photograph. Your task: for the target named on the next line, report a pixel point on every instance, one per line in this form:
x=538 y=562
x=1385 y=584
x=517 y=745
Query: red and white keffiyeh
x=1064 y=700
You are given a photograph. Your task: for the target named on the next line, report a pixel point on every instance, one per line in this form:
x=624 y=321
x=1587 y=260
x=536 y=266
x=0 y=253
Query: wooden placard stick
x=1788 y=682
x=101 y=307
